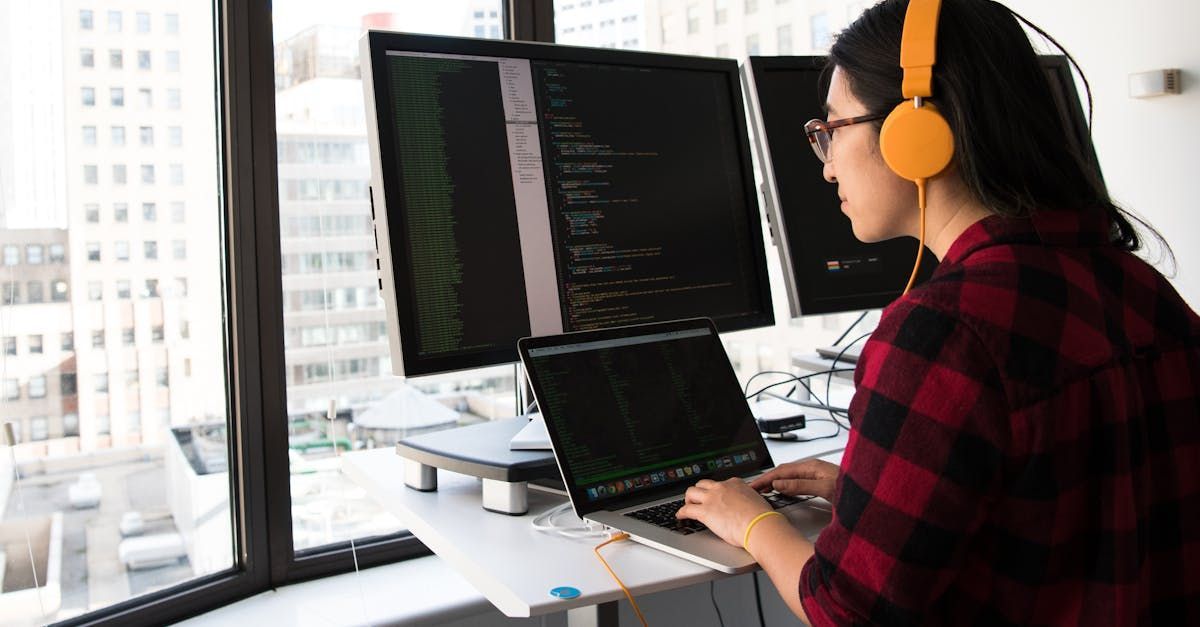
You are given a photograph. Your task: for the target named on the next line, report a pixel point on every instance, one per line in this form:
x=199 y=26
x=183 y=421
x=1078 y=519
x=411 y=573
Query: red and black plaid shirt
x=1026 y=444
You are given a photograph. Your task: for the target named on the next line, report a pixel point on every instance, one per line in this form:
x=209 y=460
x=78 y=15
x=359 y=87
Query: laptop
x=638 y=414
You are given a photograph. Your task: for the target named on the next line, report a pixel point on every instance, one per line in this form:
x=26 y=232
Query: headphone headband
x=918 y=47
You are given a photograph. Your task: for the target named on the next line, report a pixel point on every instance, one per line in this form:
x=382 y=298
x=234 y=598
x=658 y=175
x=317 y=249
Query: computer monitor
x=826 y=269
x=526 y=189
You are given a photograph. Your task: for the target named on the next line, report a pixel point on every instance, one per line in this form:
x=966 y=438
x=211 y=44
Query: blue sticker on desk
x=564 y=592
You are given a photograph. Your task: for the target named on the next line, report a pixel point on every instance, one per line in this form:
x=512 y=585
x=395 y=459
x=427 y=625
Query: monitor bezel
x=401 y=321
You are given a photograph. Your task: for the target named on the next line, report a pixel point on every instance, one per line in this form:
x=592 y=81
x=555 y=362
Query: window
x=819 y=24
x=752 y=44
x=10 y=345
x=36 y=347
x=58 y=291
x=93 y=251
x=12 y=390
x=34 y=254
x=127 y=336
x=114 y=21
x=88 y=96
x=143 y=22
x=172 y=60
x=175 y=136
x=85 y=19
x=751 y=6
x=133 y=421
x=116 y=59
x=10 y=292
x=103 y=423
x=148 y=173
x=12 y=255
x=89 y=136
x=150 y=249
x=185 y=331
x=121 y=250
x=784 y=39
x=131 y=378
x=720 y=11
x=95 y=290
x=70 y=424
x=149 y=212
x=117 y=96
x=172 y=21
x=174 y=99
x=146 y=135
x=67 y=384
x=91 y=213
x=176 y=173
x=87 y=57
x=151 y=289
x=118 y=136
x=68 y=342
x=58 y=253
x=91 y=174
x=16 y=427
x=179 y=249
x=156 y=334
x=101 y=383
x=145 y=98
x=178 y=213
x=180 y=286
x=123 y=289
x=143 y=57
x=98 y=339
x=120 y=212
x=119 y=174
x=36 y=293
x=37 y=387
x=161 y=377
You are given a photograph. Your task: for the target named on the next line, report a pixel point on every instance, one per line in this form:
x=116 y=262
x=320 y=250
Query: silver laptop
x=638 y=414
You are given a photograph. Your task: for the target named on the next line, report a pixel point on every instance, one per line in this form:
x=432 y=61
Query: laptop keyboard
x=663 y=514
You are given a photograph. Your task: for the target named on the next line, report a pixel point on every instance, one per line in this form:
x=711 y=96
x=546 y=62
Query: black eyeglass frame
x=816 y=129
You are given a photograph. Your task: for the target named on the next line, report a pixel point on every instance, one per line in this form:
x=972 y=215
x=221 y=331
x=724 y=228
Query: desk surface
x=514 y=565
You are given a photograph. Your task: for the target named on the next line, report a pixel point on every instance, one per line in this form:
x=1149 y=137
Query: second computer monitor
x=528 y=189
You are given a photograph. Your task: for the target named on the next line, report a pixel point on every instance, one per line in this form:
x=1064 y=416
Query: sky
x=446 y=17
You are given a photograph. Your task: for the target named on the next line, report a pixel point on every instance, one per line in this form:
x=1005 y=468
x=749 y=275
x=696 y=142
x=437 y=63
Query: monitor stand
x=531 y=437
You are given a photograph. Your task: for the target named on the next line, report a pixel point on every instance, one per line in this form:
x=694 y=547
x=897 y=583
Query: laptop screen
x=637 y=412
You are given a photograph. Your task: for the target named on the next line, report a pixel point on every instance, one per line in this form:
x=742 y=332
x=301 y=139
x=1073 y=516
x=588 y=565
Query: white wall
x=1149 y=149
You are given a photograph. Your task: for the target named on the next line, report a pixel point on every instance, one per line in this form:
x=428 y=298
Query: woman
x=1026 y=442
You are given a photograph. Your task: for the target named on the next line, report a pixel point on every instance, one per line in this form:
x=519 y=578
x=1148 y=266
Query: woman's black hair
x=1012 y=147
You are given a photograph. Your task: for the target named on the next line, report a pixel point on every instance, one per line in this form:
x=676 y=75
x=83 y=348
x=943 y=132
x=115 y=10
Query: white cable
x=546 y=523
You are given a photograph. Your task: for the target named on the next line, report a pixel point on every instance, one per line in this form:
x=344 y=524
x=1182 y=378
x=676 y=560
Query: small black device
x=779 y=426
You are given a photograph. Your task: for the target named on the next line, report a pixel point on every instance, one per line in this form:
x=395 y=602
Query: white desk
x=514 y=565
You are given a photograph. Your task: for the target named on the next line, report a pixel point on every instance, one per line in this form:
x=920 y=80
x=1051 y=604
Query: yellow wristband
x=750 y=527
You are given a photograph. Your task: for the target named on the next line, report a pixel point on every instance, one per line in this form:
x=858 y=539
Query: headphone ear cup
x=916 y=143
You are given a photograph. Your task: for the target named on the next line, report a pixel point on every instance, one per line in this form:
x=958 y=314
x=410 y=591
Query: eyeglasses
x=820 y=132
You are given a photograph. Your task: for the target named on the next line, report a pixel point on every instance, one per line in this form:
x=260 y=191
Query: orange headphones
x=916 y=140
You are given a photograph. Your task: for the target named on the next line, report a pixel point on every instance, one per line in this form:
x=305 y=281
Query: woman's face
x=880 y=204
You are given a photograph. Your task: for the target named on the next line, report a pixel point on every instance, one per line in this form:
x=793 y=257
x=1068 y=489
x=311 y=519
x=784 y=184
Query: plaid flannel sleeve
x=918 y=475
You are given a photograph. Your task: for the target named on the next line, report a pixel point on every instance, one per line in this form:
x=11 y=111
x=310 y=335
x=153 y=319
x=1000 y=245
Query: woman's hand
x=811 y=476
x=725 y=507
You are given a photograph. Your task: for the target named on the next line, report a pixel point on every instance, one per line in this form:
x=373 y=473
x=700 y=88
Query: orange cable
x=921 y=241
x=617 y=538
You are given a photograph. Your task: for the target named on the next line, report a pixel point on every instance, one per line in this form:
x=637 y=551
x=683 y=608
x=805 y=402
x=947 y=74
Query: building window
x=720 y=11
x=93 y=251
x=71 y=425
x=36 y=347
x=178 y=212
x=11 y=293
x=185 y=330
x=819 y=25
x=101 y=381
x=751 y=6
x=180 y=287
x=58 y=253
x=114 y=21
x=146 y=135
x=38 y=429
x=123 y=289
x=36 y=293
x=87 y=57
x=116 y=59
x=98 y=339
x=12 y=390
x=95 y=290
x=127 y=336
x=68 y=342
x=143 y=57
x=179 y=249
x=174 y=99
x=172 y=20
x=784 y=36
x=145 y=98
x=143 y=22
x=162 y=378
x=131 y=378
x=89 y=136
x=149 y=212
x=117 y=96
x=121 y=250
x=10 y=345
x=119 y=174
x=103 y=424
x=150 y=250
x=120 y=212
x=91 y=213
x=12 y=255
x=176 y=174
x=67 y=384
x=156 y=334
x=58 y=291
x=172 y=60
x=35 y=254
x=752 y=44
x=37 y=386
x=85 y=19
x=88 y=96
x=118 y=135
x=134 y=421
x=175 y=134
x=91 y=174
x=151 y=289
x=148 y=173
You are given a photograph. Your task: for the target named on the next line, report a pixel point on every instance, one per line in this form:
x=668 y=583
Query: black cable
x=850 y=328
x=712 y=593
x=762 y=621
x=791 y=379
x=829 y=379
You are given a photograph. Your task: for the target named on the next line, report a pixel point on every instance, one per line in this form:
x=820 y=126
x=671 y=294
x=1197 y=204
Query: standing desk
x=515 y=566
